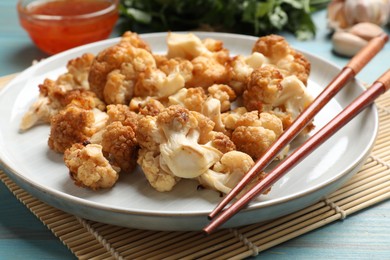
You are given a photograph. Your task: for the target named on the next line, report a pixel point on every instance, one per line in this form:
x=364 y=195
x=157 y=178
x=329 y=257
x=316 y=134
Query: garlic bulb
x=345 y=13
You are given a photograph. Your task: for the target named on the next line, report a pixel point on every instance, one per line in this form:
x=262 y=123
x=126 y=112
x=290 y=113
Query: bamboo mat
x=89 y=239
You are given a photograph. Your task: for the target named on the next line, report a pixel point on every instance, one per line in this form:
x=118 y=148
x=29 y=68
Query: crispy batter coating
x=255 y=132
x=74 y=125
x=290 y=61
x=120 y=145
x=89 y=168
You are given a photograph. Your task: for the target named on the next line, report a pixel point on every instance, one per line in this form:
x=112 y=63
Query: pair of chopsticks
x=220 y=216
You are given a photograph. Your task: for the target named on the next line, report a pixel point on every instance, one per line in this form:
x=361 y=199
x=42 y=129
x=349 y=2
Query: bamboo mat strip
x=93 y=240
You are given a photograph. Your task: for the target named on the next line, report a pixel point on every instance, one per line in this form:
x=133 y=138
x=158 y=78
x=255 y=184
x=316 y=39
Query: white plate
x=132 y=202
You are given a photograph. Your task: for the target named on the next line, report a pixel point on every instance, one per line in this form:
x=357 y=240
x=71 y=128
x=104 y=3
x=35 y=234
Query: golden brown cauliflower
x=285 y=58
x=74 y=125
x=209 y=104
x=224 y=94
x=174 y=145
x=146 y=106
x=117 y=68
x=54 y=95
x=190 y=98
x=123 y=114
x=227 y=172
x=263 y=88
x=120 y=146
x=89 y=168
x=254 y=132
x=269 y=91
x=153 y=82
x=209 y=58
x=241 y=68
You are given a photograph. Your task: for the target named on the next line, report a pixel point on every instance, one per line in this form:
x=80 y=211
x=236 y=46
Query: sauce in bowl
x=58 y=25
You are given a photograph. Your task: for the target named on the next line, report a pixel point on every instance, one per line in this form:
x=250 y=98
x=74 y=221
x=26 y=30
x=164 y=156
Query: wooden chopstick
x=365 y=99
x=346 y=74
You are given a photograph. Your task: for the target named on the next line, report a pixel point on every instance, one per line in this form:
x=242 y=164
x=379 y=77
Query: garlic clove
x=335 y=15
x=367 y=31
x=347 y=44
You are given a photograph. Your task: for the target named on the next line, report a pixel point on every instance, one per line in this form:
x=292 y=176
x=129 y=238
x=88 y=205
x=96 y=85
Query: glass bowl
x=58 y=25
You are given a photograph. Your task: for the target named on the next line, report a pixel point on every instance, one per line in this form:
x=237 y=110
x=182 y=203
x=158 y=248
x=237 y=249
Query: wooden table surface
x=365 y=235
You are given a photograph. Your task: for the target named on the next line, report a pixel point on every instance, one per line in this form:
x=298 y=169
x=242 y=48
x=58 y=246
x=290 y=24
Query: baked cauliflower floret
x=175 y=65
x=181 y=152
x=263 y=88
x=120 y=146
x=241 y=68
x=89 y=168
x=54 y=95
x=149 y=137
x=209 y=59
x=254 y=132
x=180 y=144
x=155 y=83
x=227 y=172
x=118 y=67
x=280 y=54
x=157 y=177
x=74 y=125
x=269 y=91
x=78 y=70
x=123 y=114
x=190 y=98
x=224 y=94
x=146 y=106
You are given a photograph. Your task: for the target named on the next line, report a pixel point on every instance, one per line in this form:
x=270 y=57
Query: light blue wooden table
x=365 y=235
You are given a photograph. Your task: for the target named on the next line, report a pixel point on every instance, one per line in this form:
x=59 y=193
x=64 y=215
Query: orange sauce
x=58 y=25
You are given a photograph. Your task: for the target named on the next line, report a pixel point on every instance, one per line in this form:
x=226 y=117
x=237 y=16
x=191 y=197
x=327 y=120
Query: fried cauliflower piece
x=241 y=68
x=211 y=104
x=268 y=90
x=153 y=82
x=54 y=95
x=89 y=168
x=254 y=132
x=175 y=65
x=227 y=172
x=209 y=58
x=285 y=58
x=175 y=145
x=74 y=125
x=120 y=145
x=190 y=98
x=146 y=106
x=117 y=68
x=224 y=94
x=123 y=114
